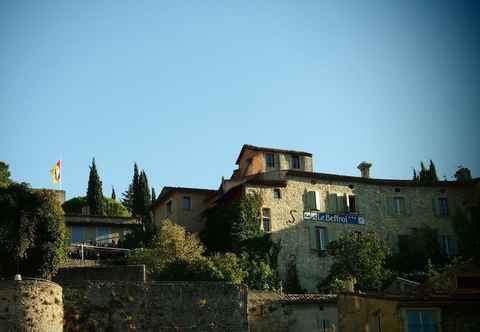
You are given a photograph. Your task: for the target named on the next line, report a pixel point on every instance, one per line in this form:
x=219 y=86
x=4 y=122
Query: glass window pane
x=77 y=235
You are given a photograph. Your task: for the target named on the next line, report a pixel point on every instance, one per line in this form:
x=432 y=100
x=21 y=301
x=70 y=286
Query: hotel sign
x=351 y=219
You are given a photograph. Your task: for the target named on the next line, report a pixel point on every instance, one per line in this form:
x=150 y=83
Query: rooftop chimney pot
x=364 y=168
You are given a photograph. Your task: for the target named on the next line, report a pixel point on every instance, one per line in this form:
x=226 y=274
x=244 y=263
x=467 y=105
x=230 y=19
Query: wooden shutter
x=342 y=203
x=309 y=200
x=435 y=206
x=390 y=206
x=332 y=203
x=312 y=236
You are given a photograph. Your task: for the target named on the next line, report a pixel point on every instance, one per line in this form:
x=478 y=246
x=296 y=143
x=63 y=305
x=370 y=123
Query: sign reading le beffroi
x=334 y=218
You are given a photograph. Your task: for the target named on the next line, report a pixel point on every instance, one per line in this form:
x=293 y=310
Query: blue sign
x=352 y=219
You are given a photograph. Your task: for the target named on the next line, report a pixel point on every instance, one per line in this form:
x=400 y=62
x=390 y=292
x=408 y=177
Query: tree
x=415 y=177
x=144 y=199
x=114 y=196
x=358 y=256
x=432 y=173
x=113 y=208
x=172 y=243
x=4 y=175
x=32 y=232
x=127 y=199
x=94 y=192
x=154 y=196
x=236 y=227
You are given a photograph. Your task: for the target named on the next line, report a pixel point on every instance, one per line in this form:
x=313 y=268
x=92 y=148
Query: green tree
x=75 y=205
x=113 y=208
x=114 y=196
x=4 y=175
x=154 y=196
x=127 y=199
x=94 y=192
x=172 y=243
x=32 y=232
x=144 y=199
x=361 y=256
x=415 y=177
x=432 y=172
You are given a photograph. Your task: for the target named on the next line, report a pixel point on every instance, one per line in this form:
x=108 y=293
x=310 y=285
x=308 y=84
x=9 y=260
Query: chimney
x=364 y=168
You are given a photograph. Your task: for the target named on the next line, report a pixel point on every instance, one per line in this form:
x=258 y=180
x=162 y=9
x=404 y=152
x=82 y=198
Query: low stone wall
x=79 y=274
x=31 y=305
x=155 y=306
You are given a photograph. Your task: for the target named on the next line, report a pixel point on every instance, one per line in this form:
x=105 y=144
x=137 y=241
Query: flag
x=55 y=172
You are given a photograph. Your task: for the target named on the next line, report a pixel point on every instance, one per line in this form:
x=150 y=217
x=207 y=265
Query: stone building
x=183 y=206
x=305 y=210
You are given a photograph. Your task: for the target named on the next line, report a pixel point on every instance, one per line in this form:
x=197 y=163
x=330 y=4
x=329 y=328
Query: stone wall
x=157 y=306
x=31 y=305
x=75 y=274
x=295 y=234
x=277 y=312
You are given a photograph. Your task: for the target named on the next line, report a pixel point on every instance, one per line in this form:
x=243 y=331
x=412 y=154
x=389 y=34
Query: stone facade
x=171 y=205
x=373 y=200
x=157 y=306
x=31 y=305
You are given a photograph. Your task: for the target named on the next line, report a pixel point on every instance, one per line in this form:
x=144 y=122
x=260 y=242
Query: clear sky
x=179 y=86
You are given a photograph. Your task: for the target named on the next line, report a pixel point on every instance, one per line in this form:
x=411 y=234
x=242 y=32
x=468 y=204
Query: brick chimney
x=364 y=168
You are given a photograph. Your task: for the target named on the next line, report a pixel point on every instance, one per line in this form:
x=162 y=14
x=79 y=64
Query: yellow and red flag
x=55 y=172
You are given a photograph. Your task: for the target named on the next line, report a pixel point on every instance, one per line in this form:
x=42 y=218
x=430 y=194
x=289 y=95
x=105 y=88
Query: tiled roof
x=264 y=149
x=399 y=183
x=309 y=298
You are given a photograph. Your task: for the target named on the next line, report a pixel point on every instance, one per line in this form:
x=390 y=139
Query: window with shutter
x=332 y=203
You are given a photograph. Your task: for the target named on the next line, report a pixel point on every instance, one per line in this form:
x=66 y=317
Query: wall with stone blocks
x=31 y=305
x=156 y=306
x=289 y=227
x=69 y=275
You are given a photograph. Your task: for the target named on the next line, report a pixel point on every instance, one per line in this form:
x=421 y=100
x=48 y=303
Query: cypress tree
x=154 y=196
x=144 y=198
x=114 y=196
x=94 y=192
x=127 y=199
x=136 y=202
x=415 y=177
x=432 y=172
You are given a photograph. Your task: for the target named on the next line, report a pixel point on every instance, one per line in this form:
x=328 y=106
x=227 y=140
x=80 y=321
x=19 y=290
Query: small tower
x=364 y=168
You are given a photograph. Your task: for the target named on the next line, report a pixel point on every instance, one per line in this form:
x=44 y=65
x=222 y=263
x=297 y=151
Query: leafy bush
x=113 y=208
x=32 y=232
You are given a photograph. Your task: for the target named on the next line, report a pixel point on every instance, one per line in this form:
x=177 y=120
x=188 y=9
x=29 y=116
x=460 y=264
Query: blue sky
x=179 y=86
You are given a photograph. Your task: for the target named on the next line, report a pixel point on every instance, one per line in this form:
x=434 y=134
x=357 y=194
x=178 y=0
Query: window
x=169 y=207
x=323 y=325
x=77 y=234
x=296 y=162
x=102 y=233
x=186 y=203
x=270 y=160
x=266 y=220
x=276 y=193
x=421 y=321
x=443 y=206
x=398 y=207
x=447 y=244
x=321 y=238
x=351 y=204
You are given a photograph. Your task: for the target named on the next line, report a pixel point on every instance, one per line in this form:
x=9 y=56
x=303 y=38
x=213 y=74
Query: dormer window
x=296 y=162
x=270 y=160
